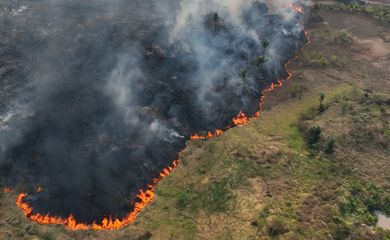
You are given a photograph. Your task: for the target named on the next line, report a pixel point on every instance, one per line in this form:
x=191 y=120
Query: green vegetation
x=379 y=13
x=47 y=236
x=260 y=60
x=216 y=196
x=318 y=59
x=280 y=176
x=386 y=133
x=298 y=91
x=322 y=107
x=330 y=145
x=276 y=227
x=334 y=36
x=243 y=73
x=314 y=135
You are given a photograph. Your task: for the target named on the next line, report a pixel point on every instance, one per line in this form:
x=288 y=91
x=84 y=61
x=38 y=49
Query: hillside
x=314 y=165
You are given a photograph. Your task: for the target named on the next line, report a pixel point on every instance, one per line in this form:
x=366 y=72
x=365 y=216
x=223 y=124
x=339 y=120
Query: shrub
x=261 y=60
x=330 y=145
x=314 y=135
x=386 y=133
x=342 y=37
x=276 y=226
x=298 y=91
x=318 y=59
x=183 y=200
x=322 y=105
x=216 y=196
x=379 y=13
x=243 y=73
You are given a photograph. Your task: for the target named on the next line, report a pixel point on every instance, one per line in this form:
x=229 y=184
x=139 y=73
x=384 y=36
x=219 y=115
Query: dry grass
x=263 y=181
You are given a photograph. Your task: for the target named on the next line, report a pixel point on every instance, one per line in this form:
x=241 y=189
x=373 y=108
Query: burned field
x=98 y=98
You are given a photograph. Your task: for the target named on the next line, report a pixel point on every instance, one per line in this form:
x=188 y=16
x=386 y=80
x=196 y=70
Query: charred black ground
x=98 y=97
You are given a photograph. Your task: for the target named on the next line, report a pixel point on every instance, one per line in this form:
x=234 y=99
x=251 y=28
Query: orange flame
x=217 y=133
x=280 y=82
x=241 y=119
x=295 y=8
x=144 y=196
x=7 y=190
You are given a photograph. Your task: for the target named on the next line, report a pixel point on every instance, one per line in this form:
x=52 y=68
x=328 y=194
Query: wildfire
x=241 y=119
x=7 y=190
x=144 y=198
x=217 y=133
x=295 y=8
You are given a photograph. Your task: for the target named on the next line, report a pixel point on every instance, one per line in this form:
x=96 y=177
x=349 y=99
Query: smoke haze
x=97 y=97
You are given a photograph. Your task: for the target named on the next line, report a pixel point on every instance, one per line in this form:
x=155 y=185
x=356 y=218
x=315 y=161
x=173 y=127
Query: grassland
x=315 y=165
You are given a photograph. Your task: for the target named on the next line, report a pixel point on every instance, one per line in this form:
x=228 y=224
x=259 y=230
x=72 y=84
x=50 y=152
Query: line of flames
x=242 y=118
x=144 y=196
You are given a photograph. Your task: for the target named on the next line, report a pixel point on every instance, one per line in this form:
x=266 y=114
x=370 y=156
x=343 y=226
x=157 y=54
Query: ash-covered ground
x=97 y=97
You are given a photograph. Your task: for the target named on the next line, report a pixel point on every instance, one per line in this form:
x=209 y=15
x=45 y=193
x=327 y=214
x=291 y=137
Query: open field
x=315 y=165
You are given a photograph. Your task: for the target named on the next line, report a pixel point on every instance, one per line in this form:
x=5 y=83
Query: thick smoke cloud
x=97 y=97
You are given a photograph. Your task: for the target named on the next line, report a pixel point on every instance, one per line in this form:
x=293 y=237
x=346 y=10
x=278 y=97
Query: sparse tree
x=243 y=73
x=216 y=19
x=330 y=145
x=314 y=135
x=265 y=45
x=322 y=105
x=260 y=60
x=315 y=9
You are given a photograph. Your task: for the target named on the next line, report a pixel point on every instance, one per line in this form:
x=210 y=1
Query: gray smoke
x=97 y=97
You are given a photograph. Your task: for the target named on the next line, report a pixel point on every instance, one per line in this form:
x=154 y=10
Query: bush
x=322 y=105
x=314 y=135
x=261 y=60
x=318 y=59
x=330 y=145
x=342 y=37
x=243 y=73
x=378 y=13
x=386 y=133
x=342 y=232
x=360 y=200
x=183 y=200
x=276 y=227
x=298 y=91
x=216 y=196
x=337 y=37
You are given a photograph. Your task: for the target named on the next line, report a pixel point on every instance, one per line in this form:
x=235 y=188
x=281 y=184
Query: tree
x=314 y=135
x=243 y=73
x=315 y=9
x=322 y=106
x=216 y=19
x=330 y=145
x=265 y=45
x=260 y=60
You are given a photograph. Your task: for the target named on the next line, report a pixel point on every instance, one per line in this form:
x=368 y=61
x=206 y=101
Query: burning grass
x=300 y=189
x=268 y=180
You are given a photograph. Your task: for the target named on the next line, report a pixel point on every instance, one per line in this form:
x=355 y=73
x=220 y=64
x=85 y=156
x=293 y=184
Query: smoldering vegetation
x=97 y=97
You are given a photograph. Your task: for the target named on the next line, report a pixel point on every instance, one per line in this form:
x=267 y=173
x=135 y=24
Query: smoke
x=101 y=96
